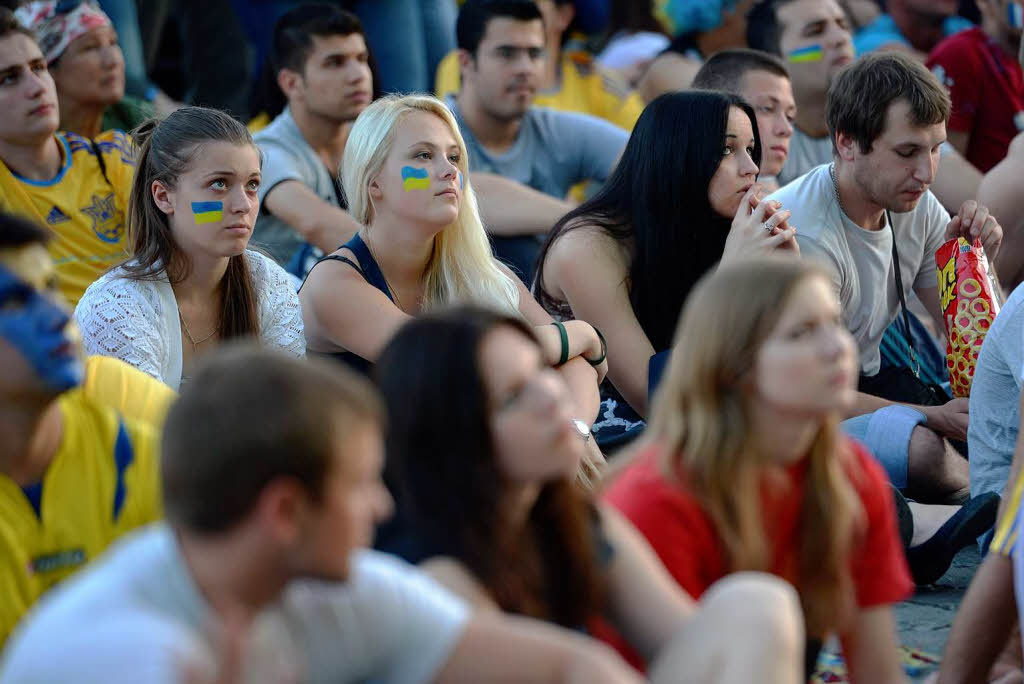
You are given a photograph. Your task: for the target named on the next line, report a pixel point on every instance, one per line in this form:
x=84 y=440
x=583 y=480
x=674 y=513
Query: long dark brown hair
x=165 y=149
x=449 y=489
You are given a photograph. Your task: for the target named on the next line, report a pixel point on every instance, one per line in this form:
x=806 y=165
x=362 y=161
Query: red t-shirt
x=684 y=536
x=986 y=85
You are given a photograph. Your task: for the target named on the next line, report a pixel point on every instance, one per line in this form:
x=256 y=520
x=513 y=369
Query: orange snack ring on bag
x=968 y=305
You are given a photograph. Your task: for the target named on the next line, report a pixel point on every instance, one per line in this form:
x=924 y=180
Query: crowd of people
x=613 y=352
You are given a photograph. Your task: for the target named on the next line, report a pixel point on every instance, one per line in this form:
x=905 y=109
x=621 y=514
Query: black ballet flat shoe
x=930 y=561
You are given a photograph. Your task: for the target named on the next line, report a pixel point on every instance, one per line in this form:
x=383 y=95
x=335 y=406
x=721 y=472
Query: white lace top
x=137 y=320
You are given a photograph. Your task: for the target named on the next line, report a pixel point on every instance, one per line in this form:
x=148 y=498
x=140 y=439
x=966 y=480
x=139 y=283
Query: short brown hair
x=858 y=99
x=248 y=416
x=725 y=69
x=9 y=25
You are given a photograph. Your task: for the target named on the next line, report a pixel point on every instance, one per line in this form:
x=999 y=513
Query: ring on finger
x=767 y=226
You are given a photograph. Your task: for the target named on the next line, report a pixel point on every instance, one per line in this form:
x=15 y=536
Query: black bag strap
x=915 y=364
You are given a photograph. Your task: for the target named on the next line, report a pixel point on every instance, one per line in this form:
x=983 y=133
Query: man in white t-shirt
x=271 y=482
x=887 y=115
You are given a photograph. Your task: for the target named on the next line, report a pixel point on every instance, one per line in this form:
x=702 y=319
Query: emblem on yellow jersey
x=107 y=219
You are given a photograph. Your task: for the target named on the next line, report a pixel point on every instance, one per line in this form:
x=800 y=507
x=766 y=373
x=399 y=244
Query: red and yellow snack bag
x=969 y=305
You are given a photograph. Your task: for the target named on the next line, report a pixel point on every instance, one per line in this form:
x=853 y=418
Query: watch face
x=582 y=428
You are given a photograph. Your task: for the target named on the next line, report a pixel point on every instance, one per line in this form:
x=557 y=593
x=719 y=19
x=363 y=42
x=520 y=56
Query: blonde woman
x=743 y=467
x=405 y=176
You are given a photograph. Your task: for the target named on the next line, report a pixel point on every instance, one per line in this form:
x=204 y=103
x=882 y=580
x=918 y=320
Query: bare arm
x=581 y=377
x=511 y=208
x=508 y=648
x=342 y=312
x=319 y=223
x=586 y=268
x=667 y=73
x=1000 y=192
x=870 y=648
x=646 y=605
x=982 y=623
x=956 y=180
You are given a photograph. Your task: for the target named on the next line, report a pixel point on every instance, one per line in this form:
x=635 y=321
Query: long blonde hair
x=462 y=268
x=701 y=417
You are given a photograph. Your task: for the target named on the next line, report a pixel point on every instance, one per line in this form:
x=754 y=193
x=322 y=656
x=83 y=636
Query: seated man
x=886 y=117
x=74 y=475
x=271 y=481
x=813 y=37
x=322 y=64
x=523 y=158
x=995 y=392
x=983 y=645
x=572 y=81
x=762 y=80
x=986 y=84
x=76 y=186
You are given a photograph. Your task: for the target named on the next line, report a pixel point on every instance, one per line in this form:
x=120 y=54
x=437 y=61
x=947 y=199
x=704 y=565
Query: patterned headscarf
x=57 y=23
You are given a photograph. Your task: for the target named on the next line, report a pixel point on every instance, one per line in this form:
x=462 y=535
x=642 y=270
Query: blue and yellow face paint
x=1015 y=15
x=811 y=53
x=208 y=212
x=415 y=179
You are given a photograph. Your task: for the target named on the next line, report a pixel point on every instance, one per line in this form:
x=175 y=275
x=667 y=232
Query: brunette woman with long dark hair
x=682 y=198
x=190 y=283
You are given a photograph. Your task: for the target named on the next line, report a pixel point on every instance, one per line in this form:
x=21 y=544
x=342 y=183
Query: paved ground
x=924 y=620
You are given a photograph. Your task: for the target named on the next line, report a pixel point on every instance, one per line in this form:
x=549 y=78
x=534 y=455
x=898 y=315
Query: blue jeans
x=408 y=38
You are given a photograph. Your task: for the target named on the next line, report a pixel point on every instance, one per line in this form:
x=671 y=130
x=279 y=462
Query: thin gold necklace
x=393 y=291
x=195 y=343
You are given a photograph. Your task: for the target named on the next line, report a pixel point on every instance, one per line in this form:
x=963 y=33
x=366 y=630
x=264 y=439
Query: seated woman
x=191 y=283
x=683 y=197
x=744 y=468
x=405 y=175
x=87 y=66
x=482 y=454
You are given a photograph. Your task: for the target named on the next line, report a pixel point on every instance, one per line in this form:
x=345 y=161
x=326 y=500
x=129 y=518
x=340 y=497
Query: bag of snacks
x=969 y=305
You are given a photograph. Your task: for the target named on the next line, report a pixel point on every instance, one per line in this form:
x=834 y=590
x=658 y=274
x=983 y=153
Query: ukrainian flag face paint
x=208 y=212
x=35 y=324
x=415 y=179
x=810 y=53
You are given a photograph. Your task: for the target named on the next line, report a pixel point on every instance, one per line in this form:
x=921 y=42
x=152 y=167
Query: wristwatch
x=582 y=429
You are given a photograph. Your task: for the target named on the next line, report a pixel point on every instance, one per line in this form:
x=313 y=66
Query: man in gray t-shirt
x=523 y=159
x=995 y=398
x=322 y=68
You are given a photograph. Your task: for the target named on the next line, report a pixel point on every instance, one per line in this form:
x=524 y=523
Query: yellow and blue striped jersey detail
x=83 y=205
x=102 y=483
x=1005 y=540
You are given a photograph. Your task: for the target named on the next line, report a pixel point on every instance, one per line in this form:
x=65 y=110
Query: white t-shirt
x=805 y=153
x=860 y=261
x=137 y=609
x=995 y=398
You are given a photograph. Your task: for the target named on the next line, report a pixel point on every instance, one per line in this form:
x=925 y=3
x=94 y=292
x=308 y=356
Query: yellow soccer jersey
x=586 y=87
x=84 y=206
x=124 y=388
x=103 y=482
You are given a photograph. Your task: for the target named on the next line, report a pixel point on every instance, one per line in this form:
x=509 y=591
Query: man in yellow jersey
x=77 y=187
x=74 y=474
x=572 y=80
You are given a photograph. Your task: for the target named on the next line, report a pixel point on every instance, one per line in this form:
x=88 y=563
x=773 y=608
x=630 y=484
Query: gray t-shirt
x=805 y=153
x=138 y=605
x=287 y=156
x=553 y=151
x=995 y=398
x=860 y=261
